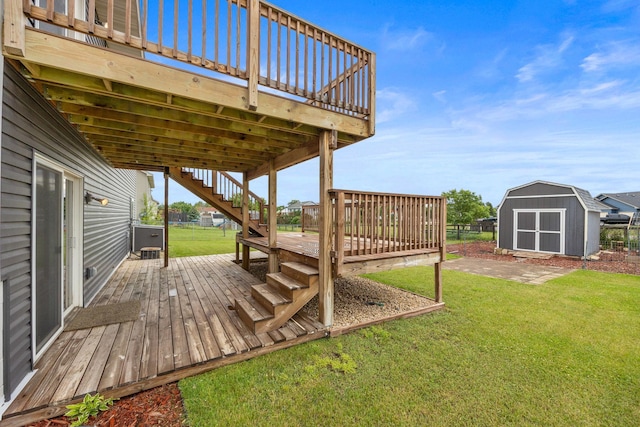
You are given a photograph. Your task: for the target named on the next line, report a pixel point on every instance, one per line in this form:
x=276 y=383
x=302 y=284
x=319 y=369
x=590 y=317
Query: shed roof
x=583 y=195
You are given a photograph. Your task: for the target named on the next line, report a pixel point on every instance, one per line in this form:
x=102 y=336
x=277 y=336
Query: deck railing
x=230 y=189
x=247 y=39
x=366 y=223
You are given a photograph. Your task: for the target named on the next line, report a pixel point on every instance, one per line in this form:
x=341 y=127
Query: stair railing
x=230 y=189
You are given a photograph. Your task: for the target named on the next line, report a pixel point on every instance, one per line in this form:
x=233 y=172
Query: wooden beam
x=34 y=69
x=273 y=220
x=285 y=160
x=85 y=90
x=15 y=23
x=182 y=130
x=80 y=58
x=75 y=101
x=328 y=139
x=245 y=221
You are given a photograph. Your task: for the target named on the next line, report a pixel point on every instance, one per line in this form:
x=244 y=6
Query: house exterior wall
x=618 y=206
x=574 y=230
x=30 y=126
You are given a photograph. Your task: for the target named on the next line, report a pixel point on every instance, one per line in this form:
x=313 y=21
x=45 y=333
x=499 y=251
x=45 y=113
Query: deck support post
x=328 y=142
x=273 y=219
x=442 y=237
x=15 y=24
x=253 y=52
x=245 y=220
x=166 y=217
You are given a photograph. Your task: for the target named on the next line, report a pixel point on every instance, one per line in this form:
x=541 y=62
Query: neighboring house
x=623 y=203
x=296 y=207
x=58 y=244
x=144 y=184
x=210 y=217
x=549 y=217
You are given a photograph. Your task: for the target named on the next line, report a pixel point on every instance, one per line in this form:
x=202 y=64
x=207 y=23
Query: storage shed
x=549 y=217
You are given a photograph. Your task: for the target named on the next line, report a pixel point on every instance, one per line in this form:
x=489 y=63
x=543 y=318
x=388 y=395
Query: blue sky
x=484 y=96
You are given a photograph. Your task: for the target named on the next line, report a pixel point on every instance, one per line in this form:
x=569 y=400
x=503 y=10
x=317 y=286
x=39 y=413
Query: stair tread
x=303 y=268
x=253 y=308
x=286 y=281
x=270 y=294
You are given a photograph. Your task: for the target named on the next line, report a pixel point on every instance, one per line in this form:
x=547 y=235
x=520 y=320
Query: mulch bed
x=613 y=262
x=162 y=406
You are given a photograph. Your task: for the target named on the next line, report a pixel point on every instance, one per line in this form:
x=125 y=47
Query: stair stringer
x=206 y=193
x=297 y=288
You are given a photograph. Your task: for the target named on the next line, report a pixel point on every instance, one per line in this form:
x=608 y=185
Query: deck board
x=187 y=325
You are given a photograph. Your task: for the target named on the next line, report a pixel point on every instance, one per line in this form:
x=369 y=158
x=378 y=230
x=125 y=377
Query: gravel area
x=359 y=300
x=609 y=261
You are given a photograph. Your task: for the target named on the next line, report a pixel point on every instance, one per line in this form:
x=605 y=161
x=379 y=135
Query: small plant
x=89 y=407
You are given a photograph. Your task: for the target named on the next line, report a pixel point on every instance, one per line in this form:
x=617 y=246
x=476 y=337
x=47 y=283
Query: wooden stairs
x=273 y=303
x=207 y=193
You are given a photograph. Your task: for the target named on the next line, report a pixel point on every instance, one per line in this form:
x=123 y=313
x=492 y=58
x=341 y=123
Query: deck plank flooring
x=187 y=325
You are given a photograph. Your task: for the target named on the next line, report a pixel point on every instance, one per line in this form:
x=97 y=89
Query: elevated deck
x=227 y=88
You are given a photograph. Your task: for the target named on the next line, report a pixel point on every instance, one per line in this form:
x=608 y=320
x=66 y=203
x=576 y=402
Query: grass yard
x=502 y=353
x=193 y=240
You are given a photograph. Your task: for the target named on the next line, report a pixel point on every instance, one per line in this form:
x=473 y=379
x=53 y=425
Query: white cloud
x=405 y=40
x=440 y=95
x=548 y=57
x=391 y=104
x=616 y=54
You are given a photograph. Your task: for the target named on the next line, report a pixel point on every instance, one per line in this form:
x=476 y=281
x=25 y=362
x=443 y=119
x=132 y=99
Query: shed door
x=539 y=230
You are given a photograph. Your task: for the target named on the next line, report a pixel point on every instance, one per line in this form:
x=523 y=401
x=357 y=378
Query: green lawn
x=193 y=240
x=502 y=353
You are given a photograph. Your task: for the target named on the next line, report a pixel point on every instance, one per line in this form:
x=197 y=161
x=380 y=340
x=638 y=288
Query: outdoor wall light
x=88 y=197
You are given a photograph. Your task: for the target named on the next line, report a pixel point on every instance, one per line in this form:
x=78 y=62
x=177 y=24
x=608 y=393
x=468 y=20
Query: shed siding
x=31 y=124
x=574 y=239
x=593 y=233
x=540 y=189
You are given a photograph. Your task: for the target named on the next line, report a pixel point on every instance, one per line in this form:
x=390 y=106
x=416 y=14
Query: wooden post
x=253 y=52
x=442 y=232
x=273 y=219
x=166 y=217
x=245 y=220
x=372 y=94
x=339 y=237
x=15 y=24
x=328 y=142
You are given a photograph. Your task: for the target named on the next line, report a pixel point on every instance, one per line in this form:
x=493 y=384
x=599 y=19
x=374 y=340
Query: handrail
x=230 y=189
x=251 y=40
x=310 y=218
x=372 y=223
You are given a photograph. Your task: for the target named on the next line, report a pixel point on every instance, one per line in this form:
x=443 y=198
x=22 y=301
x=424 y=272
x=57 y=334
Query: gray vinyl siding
x=31 y=125
x=593 y=232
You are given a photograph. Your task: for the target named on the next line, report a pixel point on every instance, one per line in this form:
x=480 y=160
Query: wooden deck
x=186 y=326
x=304 y=247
